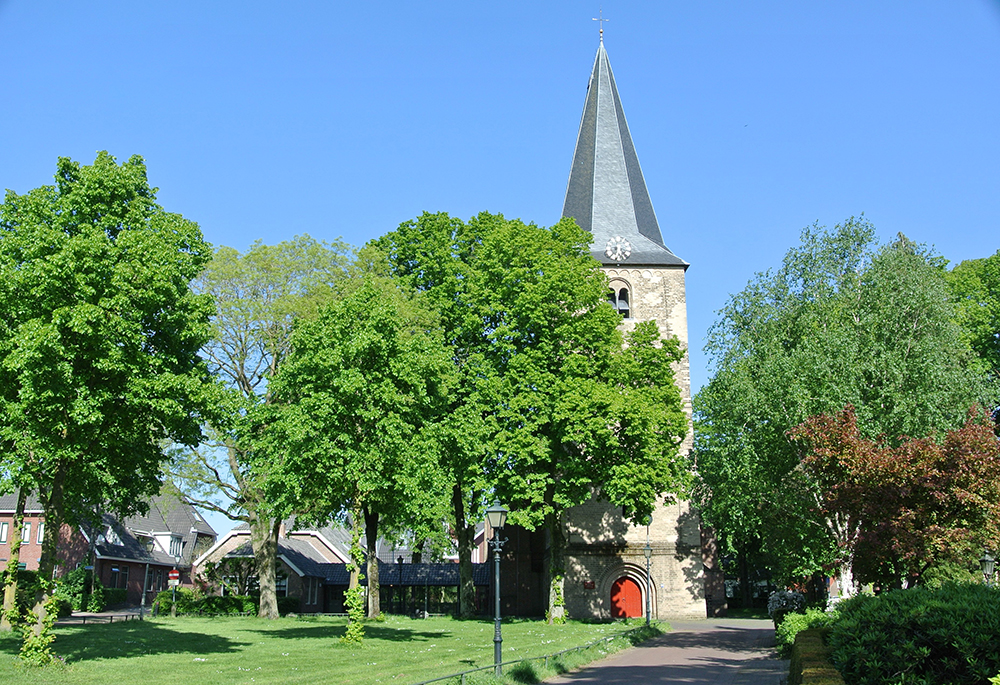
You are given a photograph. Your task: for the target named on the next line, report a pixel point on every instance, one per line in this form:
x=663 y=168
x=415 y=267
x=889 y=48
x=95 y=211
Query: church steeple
x=606 y=193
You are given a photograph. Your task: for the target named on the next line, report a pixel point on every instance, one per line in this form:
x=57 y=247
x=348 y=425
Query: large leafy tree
x=360 y=386
x=975 y=285
x=99 y=343
x=259 y=294
x=841 y=322
x=548 y=406
x=909 y=507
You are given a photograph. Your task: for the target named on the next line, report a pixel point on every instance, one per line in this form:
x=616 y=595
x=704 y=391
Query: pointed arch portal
x=626 y=599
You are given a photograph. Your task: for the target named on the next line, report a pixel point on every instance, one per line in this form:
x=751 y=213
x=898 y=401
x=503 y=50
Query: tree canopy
x=99 y=341
x=841 y=322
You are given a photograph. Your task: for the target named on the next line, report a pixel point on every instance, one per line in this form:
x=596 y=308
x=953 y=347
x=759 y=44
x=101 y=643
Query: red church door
x=626 y=599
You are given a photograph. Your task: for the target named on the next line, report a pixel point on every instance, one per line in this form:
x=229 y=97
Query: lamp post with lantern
x=987 y=564
x=648 y=552
x=496 y=516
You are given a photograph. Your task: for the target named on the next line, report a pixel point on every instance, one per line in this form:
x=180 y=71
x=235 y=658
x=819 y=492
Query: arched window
x=619 y=295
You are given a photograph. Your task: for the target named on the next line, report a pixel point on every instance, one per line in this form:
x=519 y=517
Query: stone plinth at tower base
x=605 y=567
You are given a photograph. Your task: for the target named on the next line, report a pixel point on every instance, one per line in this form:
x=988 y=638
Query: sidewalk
x=710 y=652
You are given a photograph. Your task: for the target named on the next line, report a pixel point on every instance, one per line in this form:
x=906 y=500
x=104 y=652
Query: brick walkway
x=709 y=652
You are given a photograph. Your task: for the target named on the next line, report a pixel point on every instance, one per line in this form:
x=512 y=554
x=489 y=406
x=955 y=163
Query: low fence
x=461 y=675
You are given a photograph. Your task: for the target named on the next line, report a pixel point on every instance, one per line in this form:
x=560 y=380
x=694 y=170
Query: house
x=312 y=566
x=124 y=552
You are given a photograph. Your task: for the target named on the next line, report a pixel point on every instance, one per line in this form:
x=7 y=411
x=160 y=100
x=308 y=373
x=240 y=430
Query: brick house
x=124 y=552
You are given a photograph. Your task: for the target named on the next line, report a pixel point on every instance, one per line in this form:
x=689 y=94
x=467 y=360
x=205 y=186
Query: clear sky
x=751 y=119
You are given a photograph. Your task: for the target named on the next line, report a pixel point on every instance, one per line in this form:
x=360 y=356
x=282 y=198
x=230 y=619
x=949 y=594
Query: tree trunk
x=845 y=582
x=53 y=507
x=466 y=537
x=744 y=571
x=356 y=555
x=10 y=588
x=557 y=547
x=371 y=540
x=264 y=540
x=417 y=553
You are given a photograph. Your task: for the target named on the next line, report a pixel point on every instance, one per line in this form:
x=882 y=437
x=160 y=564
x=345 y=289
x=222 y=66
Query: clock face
x=618 y=249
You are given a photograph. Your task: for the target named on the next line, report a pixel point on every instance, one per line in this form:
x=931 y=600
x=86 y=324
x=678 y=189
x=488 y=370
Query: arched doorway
x=626 y=599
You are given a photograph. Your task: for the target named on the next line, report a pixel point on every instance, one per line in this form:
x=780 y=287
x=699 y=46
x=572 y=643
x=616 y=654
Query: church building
x=605 y=558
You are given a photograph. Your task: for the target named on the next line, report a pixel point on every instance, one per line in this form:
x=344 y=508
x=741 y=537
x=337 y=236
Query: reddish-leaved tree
x=897 y=510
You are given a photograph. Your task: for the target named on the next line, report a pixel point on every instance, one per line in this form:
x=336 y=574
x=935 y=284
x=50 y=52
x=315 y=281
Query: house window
x=123 y=577
x=176 y=546
x=312 y=590
x=26 y=532
x=41 y=531
x=281 y=585
x=3 y=533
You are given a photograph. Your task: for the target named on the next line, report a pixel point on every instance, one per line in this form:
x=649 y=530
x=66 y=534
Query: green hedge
x=191 y=602
x=793 y=624
x=115 y=596
x=811 y=660
x=919 y=636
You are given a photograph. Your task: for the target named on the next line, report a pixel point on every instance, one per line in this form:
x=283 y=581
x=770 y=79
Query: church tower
x=607 y=196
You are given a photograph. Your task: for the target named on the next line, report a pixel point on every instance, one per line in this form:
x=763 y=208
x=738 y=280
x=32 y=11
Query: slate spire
x=606 y=193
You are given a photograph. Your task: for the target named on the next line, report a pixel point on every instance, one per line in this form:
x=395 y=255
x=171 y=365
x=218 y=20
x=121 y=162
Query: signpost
x=173 y=579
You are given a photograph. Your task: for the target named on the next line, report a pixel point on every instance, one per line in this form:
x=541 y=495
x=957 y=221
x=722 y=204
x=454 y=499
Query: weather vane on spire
x=602 y=20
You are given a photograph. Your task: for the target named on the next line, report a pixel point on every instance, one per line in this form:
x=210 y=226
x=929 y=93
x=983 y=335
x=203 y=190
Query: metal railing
x=461 y=675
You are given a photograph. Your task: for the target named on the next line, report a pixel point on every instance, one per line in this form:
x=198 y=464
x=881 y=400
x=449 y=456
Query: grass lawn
x=228 y=650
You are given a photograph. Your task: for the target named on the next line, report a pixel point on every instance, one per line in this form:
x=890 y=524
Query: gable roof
x=606 y=193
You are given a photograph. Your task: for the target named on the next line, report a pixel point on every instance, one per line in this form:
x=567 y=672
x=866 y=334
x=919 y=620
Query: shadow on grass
x=320 y=631
x=127 y=639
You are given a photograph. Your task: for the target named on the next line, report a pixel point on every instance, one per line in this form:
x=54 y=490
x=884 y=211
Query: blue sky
x=751 y=120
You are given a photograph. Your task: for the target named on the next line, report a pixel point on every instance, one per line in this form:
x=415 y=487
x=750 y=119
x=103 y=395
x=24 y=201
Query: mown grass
x=306 y=650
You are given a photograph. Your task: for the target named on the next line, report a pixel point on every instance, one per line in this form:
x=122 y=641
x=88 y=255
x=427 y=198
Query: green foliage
x=97 y=600
x=841 y=322
x=288 y=605
x=919 y=636
x=794 y=623
x=810 y=662
x=213 y=605
x=188 y=600
x=975 y=285
x=75 y=586
x=354 y=601
x=99 y=342
x=114 y=597
x=37 y=637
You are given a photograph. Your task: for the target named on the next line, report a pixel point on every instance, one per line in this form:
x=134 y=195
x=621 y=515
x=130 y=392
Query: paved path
x=709 y=652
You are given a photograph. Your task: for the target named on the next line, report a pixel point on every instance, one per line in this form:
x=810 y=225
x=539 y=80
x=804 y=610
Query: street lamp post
x=173 y=595
x=496 y=516
x=987 y=564
x=648 y=551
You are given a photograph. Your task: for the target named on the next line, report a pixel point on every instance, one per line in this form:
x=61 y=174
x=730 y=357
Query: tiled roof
x=606 y=193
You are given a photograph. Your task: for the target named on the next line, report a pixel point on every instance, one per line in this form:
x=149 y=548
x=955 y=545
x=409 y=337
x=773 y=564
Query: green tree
x=98 y=345
x=353 y=398
x=574 y=410
x=259 y=294
x=435 y=255
x=975 y=285
x=841 y=322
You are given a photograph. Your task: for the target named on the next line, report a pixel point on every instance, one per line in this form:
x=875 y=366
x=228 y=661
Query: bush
x=919 y=636
x=97 y=601
x=783 y=601
x=793 y=624
x=288 y=605
x=115 y=596
x=75 y=586
x=229 y=605
x=187 y=601
x=811 y=660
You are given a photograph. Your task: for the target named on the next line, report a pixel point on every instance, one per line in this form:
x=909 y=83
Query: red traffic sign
x=174 y=574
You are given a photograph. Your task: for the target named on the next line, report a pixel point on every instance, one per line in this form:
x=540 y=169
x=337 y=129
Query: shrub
x=288 y=605
x=919 y=636
x=229 y=605
x=75 y=586
x=793 y=624
x=811 y=660
x=115 y=596
x=785 y=601
x=187 y=601
x=97 y=601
